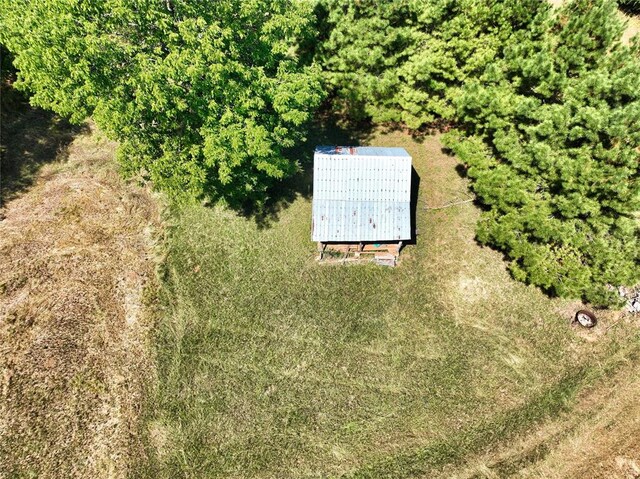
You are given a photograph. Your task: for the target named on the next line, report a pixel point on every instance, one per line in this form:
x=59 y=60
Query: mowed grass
x=272 y=365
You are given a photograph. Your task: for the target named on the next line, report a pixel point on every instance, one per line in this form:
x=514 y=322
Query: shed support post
x=321 y=248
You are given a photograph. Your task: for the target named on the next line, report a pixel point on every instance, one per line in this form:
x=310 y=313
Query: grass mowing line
x=268 y=362
x=253 y=335
x=552 y=401
x=575 y=445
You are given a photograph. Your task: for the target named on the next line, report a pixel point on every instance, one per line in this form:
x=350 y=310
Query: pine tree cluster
x=547 y=105
x=405 y=60
x=552 y=145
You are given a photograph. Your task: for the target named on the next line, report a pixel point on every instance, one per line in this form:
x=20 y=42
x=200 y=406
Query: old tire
x=586 y=318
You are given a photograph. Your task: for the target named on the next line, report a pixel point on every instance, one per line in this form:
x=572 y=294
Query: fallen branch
x=448 y=205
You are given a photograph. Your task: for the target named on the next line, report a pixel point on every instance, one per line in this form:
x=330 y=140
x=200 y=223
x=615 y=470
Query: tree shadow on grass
x=30 y=137
x=421 y=134
x=463 y=172
x=630 y=8
x=328 y=129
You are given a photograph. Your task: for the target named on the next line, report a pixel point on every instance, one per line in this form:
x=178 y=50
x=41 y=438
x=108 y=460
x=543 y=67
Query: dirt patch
x=633 y=27
x=74 y=334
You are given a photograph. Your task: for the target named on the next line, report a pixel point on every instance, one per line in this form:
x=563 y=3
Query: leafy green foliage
x=554 y=152
x=205 y=97
x=403 y=61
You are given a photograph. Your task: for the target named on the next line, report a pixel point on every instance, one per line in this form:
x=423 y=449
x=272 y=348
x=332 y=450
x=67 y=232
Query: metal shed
x=361 y=194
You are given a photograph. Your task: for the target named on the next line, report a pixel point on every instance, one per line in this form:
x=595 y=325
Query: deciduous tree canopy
x=203 y=96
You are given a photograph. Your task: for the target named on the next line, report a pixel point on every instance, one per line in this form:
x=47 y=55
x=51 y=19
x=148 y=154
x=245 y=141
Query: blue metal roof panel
x=362 y=151
x=354 y=221
x=358 y=197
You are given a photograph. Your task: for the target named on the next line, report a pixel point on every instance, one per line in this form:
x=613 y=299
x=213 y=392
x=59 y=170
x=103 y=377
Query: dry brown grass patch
x=74 y=352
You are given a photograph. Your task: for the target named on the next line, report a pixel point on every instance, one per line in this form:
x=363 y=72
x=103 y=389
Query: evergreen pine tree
x=402 y=61
x=554 y=152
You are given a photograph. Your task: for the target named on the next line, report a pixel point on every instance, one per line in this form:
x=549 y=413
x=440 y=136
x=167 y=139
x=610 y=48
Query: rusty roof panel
x=361 y=195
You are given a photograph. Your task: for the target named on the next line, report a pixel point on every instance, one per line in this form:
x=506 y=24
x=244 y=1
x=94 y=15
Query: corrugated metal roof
x=361 y=194
x=362 y=151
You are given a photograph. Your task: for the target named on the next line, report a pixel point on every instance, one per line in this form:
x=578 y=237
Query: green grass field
x=272 y=365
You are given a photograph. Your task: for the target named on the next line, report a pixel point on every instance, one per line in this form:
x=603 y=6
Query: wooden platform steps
x=384 y=254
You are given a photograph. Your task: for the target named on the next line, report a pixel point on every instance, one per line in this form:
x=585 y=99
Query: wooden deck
x=382 y=253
